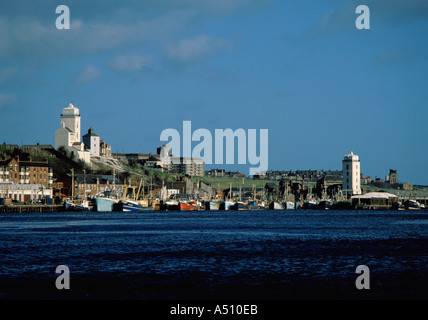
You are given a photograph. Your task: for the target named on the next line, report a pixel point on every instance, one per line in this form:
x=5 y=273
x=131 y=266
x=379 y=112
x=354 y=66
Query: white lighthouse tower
x=70 y=118
x=68 y=135
x=351 y=183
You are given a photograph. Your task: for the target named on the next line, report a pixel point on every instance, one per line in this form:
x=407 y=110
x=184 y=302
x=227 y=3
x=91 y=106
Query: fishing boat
x=324 y=205
x=196 y=203
x=172 y=205
x=108 y=200
x=130 y=202
x=230 y=205
x=252 y=205
x=288 y=205
x=217 y=205
x=134 y=205
x=186 y=206
x=242 y=205
x=412 y=205
x=77 y=205
x=276 y=206
x=309 y=204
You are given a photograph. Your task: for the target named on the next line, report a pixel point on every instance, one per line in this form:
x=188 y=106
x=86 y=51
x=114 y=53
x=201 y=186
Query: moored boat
x=276 y=206
x=253 y=205
x=133 y=205
x=107 y=200
x=324 y=205
x=77 y=205
x=230 y=205
x=288 y=205
x=186 y=206
x=172 y=205
x=412 y=205
x=309 y=204
x=242 y=205
x=217 y=205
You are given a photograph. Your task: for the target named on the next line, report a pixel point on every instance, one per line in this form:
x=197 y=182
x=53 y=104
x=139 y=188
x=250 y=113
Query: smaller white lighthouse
x=351 y=183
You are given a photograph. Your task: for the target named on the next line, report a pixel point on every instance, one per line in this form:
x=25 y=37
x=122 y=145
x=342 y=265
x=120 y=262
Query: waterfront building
x=68 y=135
x=24 y=192
x=24 y=179
x=24 y=170
x=351 y=177
x=88 y=185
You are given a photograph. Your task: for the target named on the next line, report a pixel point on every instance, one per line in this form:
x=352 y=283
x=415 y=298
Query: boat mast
x=139 y=189
x=72 y=184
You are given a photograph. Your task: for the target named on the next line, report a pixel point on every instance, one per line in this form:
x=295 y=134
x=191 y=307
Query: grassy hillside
x=224 y=182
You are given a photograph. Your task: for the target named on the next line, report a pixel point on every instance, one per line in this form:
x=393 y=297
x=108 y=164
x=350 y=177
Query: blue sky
x=300 y=69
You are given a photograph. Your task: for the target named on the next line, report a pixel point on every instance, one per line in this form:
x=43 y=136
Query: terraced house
x=24 y=179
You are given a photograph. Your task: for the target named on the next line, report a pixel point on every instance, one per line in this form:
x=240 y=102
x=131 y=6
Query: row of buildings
x=23 y=178
x=165 y=161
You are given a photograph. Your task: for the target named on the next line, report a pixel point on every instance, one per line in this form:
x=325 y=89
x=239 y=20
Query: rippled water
x=294 y=254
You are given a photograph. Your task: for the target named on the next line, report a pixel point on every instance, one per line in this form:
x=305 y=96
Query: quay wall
x=31 y=208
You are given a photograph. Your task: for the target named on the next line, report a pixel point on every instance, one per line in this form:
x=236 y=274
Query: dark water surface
x=215 y=255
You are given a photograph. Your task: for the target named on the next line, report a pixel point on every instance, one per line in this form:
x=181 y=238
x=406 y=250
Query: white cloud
x=41 y=40
x=87 y=74
x=196 y=48
x=131 y=63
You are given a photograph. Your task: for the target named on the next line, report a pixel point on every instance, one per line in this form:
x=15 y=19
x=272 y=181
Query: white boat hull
x=105 y=204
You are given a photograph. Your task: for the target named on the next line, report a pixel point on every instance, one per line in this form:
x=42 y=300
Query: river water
x=295 y=254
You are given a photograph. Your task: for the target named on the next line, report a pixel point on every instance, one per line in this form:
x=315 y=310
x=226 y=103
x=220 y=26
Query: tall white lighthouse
x=351 y=183
x=68 y=135
x=70 y=118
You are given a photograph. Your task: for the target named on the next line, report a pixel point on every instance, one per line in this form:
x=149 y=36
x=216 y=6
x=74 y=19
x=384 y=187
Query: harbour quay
x=30 y=208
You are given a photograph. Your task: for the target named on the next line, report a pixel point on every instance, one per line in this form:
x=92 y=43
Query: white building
x=68 y=135
x=351 y=183
x=92 y=142
x=24 y=192
x=183 y=165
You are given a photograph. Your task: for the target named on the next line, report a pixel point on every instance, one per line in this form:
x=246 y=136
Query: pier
x=31 y=208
